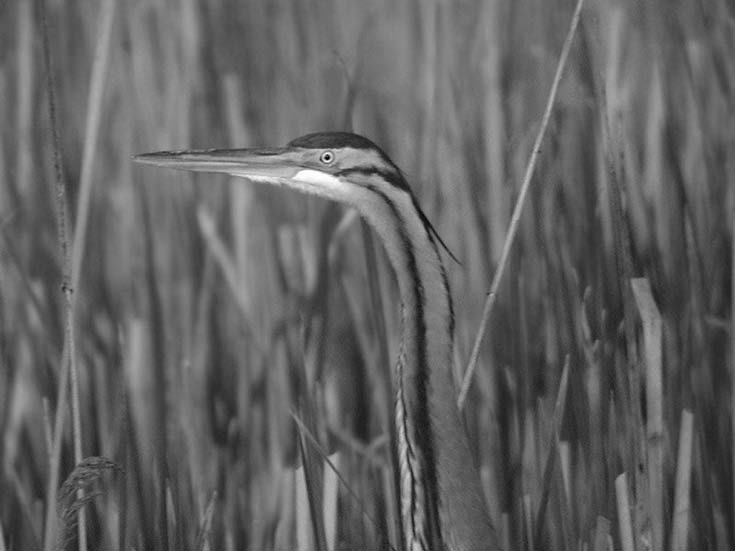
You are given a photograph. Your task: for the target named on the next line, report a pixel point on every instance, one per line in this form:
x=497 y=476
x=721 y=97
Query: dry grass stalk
x=68 y=370
x=304 y=522
x=553 y=451
x=625 y=522
x=518 y=209
x=680 y=520
x=330 y=501
x=651 y=319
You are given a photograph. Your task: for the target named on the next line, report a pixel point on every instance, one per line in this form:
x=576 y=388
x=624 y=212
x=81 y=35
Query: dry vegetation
x=231 y=347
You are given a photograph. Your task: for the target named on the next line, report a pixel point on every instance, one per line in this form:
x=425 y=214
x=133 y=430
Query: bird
x=441 y=498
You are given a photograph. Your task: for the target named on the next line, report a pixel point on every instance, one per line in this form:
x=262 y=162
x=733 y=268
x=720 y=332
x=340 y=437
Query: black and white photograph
x=367 y=275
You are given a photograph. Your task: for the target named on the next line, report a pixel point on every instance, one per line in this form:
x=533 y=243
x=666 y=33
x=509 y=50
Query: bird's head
x=336 y=165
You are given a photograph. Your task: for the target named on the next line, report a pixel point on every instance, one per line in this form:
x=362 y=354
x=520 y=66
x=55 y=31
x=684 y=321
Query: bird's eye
x=327 y=157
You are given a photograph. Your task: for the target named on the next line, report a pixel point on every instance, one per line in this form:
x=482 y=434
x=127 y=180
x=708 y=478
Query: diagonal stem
x=518 y=209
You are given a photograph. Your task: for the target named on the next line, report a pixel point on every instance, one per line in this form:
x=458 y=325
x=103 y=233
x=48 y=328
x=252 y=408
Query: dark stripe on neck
x=396 y=179
x=423 y=436
x=393 y=178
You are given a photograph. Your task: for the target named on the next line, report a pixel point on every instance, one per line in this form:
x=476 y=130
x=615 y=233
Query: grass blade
x=625 y=522
x=680 y=521
x=651 y=319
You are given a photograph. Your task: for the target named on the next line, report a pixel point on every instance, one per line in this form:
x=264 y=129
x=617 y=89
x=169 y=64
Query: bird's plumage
x=442 y=502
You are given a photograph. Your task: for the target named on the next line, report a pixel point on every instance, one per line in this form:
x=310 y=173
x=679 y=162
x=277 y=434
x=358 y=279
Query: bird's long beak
x=270 y=165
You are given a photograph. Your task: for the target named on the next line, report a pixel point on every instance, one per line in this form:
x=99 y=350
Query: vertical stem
x=625 y=523
x=77 y=251
x=60 y=188
x=680 y=519
x=732 y=348
x=651 y=320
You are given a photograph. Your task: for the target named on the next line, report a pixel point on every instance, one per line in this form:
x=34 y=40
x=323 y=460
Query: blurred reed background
x=228 y=339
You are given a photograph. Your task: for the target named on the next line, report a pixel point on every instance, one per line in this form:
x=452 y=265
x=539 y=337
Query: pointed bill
x=269 y=165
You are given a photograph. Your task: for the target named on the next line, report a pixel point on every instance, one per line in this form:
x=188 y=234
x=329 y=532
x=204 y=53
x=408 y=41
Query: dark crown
x=329 y=140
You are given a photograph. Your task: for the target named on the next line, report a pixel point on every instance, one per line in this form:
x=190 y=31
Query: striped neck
x=441 y=498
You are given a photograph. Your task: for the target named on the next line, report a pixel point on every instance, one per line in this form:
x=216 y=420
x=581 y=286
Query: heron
x=442 y=503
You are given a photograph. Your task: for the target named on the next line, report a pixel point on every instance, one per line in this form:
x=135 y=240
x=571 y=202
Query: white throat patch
x=318 y=177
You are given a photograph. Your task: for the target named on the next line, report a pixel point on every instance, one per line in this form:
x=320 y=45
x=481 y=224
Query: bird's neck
x=441 y=497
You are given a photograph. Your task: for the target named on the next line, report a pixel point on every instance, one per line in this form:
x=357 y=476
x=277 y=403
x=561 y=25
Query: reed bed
x=198 y=363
